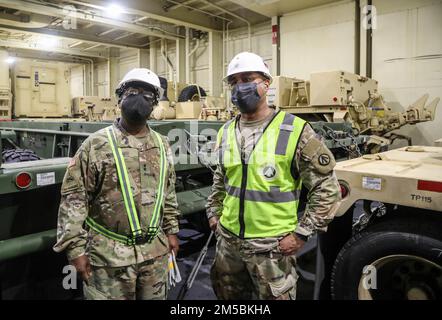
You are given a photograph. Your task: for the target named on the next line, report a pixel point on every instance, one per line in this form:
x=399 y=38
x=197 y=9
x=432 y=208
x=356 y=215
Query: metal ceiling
x=89 y=28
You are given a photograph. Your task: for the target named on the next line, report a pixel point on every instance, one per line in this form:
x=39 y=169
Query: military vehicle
x=394 y=249
x=339 y=96
x=35 y=155
x=30 y=189
x=36 y=152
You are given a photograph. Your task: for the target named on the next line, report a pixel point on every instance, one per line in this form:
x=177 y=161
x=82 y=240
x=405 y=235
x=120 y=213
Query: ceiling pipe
x=57 y=10
x=188 y=55
x=226 y=88
x=369 y=35
x=106 y=32
x=123 y=36
x=91 y=65
x=224 y=46
x=227 y=38
x=169 y=64
x=75 y=44
x=136 y=21
x=249 y=28
x=150 y=15
x=27 y=25
x=92 y=47
x=199 y=10
x=176 y=6
x=22 y=20
x=194 y=48
x=357 y=36
x=33 y=32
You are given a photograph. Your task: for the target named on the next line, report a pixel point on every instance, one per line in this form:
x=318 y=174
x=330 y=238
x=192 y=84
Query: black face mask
x=246 y=97
x=136 y=108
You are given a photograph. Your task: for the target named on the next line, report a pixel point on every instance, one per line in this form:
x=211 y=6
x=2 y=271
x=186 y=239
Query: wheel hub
x=403 y=277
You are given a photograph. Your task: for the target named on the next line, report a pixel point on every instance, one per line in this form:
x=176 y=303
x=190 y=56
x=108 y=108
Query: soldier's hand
x=82 y=266
x=213 y=222
x=290 y=244
x=174 y=243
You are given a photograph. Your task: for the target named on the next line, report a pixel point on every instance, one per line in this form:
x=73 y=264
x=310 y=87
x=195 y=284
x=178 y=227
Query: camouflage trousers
x=247 y=269
x=144 y=281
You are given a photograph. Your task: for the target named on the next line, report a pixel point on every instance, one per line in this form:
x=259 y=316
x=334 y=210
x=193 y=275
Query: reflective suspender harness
x=137 y=236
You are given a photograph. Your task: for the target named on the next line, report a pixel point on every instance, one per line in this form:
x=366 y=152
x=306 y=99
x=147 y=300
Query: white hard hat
x=140 y=75
x=247 y=62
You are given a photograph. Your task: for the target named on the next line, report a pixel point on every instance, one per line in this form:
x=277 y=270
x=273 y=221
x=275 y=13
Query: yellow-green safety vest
x=262 y=192
x=137 y=235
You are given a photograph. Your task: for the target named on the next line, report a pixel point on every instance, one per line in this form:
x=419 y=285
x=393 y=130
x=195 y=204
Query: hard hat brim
x=268 y=76
x=159 y=89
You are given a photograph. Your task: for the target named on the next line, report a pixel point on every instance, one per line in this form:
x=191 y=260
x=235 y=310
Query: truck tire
x=400 y=258
x=190 y=93
x=18 y=155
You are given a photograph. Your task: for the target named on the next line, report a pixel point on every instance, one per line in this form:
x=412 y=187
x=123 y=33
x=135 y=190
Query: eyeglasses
x=244 y=79
x=134 y=91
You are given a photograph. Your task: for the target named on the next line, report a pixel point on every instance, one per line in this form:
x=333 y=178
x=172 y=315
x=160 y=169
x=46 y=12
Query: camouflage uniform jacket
x=324 y=191
x=91 y=188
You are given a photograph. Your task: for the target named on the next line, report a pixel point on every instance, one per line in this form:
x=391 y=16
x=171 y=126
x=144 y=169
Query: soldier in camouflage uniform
x=257 y=227
x=91 y=189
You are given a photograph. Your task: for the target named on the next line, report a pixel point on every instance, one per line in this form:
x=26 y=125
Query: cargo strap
x=136 y=236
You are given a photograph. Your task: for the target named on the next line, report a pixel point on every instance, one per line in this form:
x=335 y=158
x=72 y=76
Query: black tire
x=18 y=155
x=410 y=239
x=163 y=84
x=190 y=92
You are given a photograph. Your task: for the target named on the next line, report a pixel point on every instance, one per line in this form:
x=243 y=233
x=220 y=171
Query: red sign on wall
x=275 y=34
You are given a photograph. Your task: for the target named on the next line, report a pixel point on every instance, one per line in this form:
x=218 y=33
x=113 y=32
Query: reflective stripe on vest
x=131 y=211
x=273 y=195
x=261 y=194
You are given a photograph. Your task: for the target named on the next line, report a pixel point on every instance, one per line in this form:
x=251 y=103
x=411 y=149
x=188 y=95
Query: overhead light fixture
x=47 y=42
x=10 y=60
x=113 y=10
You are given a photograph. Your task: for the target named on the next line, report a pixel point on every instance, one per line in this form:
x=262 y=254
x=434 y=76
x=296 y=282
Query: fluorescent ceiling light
x=47 y=42
x=113 y=10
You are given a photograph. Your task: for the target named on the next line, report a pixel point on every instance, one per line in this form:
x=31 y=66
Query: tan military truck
x=189 y=101
x=340 y=96
x=394 y=249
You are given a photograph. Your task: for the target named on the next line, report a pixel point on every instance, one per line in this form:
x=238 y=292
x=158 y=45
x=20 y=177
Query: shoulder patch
x=324 y=159
x=319 y=155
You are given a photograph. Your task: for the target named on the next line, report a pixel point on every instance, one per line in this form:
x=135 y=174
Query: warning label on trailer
x=44 y=179
x=372 y=183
